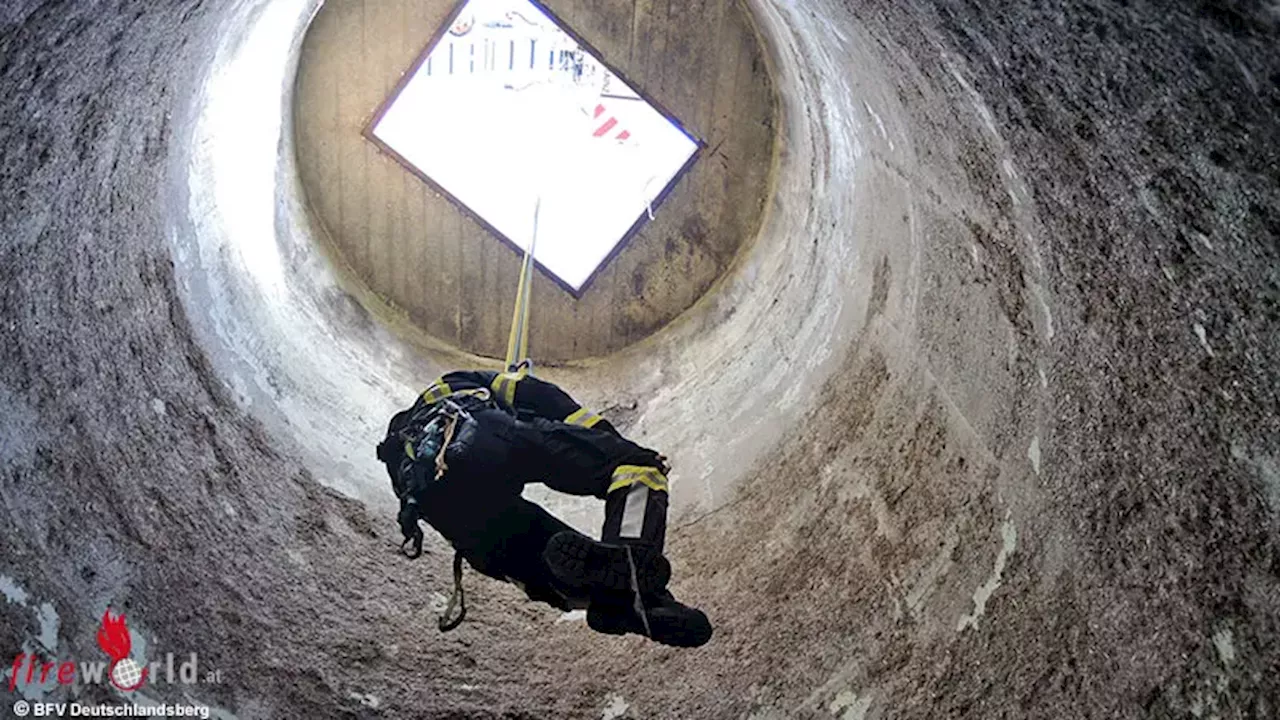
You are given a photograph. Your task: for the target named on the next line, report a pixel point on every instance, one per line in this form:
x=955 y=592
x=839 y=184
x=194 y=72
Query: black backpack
x=413 y=451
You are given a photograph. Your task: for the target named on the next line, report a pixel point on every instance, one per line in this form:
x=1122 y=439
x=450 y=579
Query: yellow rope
x=517 y=352
x=518 y=342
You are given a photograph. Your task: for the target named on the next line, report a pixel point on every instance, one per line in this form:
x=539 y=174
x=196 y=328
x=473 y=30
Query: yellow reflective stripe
x=441 y=390
x=438 y=391
x=408 y=450
x=500 y=386
x=583 y=417
x=509 y=390
x=628 y=475
x=504 y=386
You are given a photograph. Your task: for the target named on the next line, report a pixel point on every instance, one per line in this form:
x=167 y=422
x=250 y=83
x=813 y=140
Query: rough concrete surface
x=983 y=423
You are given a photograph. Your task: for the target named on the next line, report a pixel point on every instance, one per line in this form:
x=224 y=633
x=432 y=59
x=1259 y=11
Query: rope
x=637 y=602
x=518 y=343
x=648 y=196
x=441 y=466
x=457 y=600
x=517 y=351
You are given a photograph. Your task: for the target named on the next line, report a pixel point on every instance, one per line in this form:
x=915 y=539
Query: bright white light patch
x=507 y=108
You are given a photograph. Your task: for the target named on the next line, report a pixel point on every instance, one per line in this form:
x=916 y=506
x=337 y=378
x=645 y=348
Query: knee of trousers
x=636 y=506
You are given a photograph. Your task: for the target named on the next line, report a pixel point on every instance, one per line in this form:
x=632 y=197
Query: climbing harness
x=437 y=427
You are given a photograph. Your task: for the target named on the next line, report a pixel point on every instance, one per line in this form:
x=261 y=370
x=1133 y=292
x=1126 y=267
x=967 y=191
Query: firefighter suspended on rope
x=460 y=457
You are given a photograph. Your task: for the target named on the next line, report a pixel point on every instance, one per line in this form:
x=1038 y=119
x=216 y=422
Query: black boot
x=657 y=616
x=589 y=567
x=635 y=528
x=625 y=575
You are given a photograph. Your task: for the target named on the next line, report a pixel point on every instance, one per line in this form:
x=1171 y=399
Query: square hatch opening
x=507 y=110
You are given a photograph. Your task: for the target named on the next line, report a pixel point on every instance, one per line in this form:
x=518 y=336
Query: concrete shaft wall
x=701 y=62
x=981 y=424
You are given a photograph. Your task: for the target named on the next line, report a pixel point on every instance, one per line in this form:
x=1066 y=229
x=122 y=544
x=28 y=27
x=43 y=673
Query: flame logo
x=113 y=638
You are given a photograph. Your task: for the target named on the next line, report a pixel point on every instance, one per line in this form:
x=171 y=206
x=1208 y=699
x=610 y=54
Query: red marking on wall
x=608 y=126
x=604 y=129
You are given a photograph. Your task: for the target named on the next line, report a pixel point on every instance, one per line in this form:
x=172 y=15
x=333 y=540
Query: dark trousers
x=477 y=505
x=509 y=453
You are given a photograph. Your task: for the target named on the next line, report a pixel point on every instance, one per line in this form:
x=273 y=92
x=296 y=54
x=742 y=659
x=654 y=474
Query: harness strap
x=636 y=600
x=504 y=386
x=458 y=600
x=440 y=390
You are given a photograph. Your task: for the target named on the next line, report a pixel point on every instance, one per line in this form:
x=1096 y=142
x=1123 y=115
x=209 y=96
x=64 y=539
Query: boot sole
x=586 y=565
